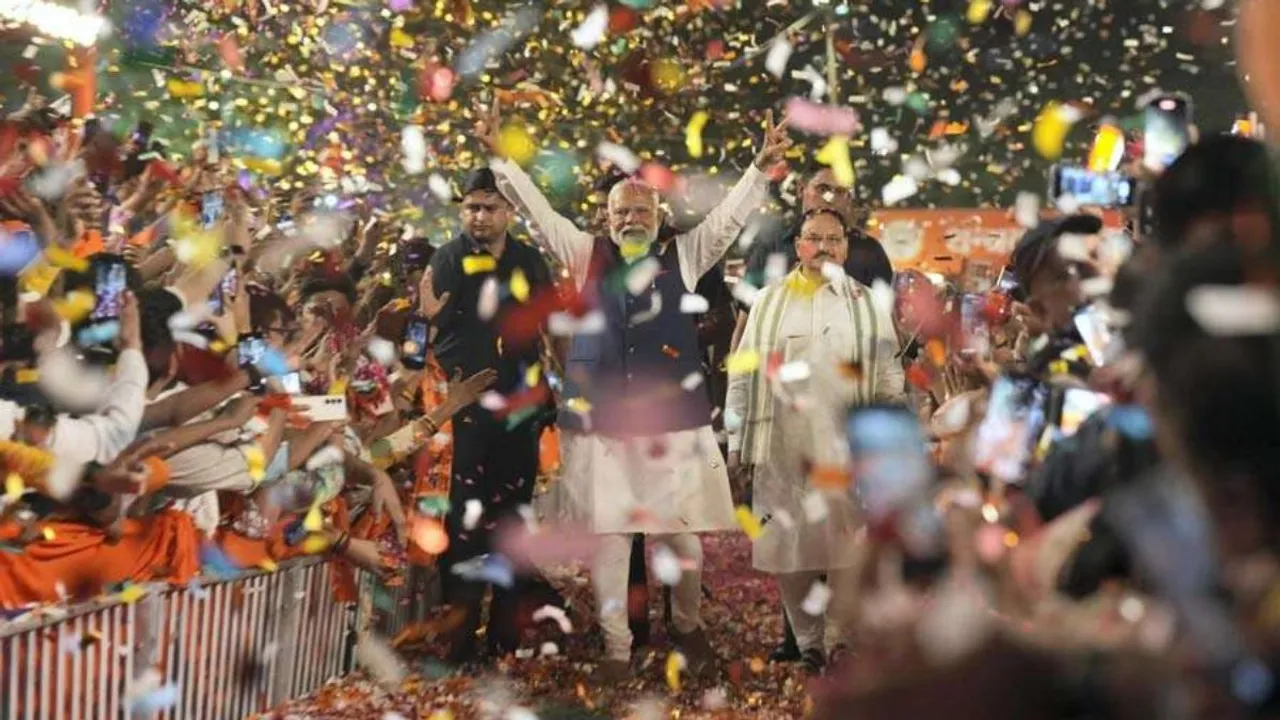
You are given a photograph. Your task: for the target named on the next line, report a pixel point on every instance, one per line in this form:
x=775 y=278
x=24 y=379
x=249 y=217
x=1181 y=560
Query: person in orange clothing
x=77 y=560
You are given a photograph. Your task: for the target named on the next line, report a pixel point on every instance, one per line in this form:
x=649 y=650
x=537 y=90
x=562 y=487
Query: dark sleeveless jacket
x=632 y=375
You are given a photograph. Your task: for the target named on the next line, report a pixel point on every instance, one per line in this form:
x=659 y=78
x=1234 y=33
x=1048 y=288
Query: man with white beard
x=639 y=453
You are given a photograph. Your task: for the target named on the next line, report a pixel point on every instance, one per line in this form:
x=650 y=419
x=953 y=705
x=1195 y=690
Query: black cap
x=1033 y=249
x=479 y=180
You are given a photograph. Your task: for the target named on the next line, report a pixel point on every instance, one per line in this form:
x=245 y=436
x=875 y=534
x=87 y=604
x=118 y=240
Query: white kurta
x=800 y=423
x=671 y=483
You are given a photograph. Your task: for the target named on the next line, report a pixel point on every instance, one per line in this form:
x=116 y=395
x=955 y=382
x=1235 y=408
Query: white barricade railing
x=228 y=648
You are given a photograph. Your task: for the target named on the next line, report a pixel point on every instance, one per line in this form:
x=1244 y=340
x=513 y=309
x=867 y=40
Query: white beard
x=634 y=236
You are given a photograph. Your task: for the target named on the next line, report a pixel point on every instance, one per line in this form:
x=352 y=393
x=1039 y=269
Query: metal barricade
x=219 y=648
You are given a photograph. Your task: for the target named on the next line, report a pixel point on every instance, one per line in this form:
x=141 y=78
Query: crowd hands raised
x=1050 y=497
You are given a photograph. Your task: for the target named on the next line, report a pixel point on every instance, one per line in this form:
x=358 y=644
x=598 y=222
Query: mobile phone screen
x=250 y=351
x=1007 y=434
x=211 y=208
x=110 y=283
x=1102 y=342
x=1077 y=405
x=975 y=333
x=1166 y=131
x=891 y=465
x=414 y=350
x=1086 y=187
x=226 y=288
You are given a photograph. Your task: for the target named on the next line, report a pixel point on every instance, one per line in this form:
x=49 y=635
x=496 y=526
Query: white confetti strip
x=665 y=565
x=375 y=655
x=815 y=506
x=618 y=156
x=1026 y=209
x=1234 y=310
x=592 y=30
x=439 y=187
x=692 y=381
x=794 y=371
x=815 y=603
x=493 y=401
x=472 y=513
x=882 y=143
x=779 y=54
x=413 y=148
x=487 y=304
x=382 y=350
x=691 y=304
x=642 y=275
x=898 y=189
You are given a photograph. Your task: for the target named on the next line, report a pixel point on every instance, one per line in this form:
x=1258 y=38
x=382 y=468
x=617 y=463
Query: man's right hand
x=489 y=125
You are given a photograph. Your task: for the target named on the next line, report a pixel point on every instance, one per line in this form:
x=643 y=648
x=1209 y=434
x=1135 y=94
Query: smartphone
x=250 y=351
x=975 y=333
x=211 y=207
x=416 y=343
x=109 y=285
x=1166 y=130
x=1007 y=434
x=226 y=288
x=322 y=408
x=891 y=464
x=1086 y=187
x=1249 y=126
x=1078 y=404
x=1103 y=343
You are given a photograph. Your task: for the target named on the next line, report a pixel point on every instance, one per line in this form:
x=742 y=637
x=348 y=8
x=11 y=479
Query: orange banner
x=954 y=242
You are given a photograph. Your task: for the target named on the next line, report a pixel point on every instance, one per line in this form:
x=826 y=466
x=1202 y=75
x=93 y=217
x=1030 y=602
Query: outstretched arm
x=569 y=245
x=704 y=246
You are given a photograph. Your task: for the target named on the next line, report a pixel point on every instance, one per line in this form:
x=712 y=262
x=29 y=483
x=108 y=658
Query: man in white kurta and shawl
x=639 y=454
x=824 y=344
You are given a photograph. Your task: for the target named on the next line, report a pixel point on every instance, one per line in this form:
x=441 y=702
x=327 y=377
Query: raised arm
x=704 y=246
x=569 y=245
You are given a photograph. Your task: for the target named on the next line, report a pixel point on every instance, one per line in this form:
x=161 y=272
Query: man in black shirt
x=485 y=278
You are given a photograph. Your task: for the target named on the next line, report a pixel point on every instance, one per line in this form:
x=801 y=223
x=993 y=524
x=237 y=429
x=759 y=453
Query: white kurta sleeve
x=735 y=404
x=569 y=245
x=100 y=437
x=702 y=247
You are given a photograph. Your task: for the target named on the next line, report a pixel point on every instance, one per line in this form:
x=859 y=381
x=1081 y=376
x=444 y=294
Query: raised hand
x=429 y=304
x=462 y=393
x=775 y=144
x=489 y=124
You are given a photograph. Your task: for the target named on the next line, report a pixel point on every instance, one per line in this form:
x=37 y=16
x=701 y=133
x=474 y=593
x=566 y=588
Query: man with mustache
x=639 y=454
x=840 y=347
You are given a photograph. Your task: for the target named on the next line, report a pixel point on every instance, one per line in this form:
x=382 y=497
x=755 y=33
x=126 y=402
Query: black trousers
x=496 y=466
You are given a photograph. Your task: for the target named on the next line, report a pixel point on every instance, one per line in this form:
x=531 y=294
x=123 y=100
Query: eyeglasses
x=828 y=240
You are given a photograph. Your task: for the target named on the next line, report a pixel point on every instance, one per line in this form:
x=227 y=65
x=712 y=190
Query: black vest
x=632 y=374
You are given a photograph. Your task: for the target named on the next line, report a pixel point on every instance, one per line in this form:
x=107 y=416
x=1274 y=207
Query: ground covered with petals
x=742 y=615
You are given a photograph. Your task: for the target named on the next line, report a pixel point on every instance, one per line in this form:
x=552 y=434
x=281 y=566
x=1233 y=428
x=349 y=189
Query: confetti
x=551 y=612
x=592 y=30
x=779 y=54
x=519 y=285
x=740 y=363
x=1051 y=128
x=665 y=565
x=818 y=119
x=487 y=303
x=748 y=522
x=674 y=665
x=693 y=133
x=1234 y=310
x=691 y=304
x=815 y=602
x=471 y=514
x=476 y=264
x=836 y=154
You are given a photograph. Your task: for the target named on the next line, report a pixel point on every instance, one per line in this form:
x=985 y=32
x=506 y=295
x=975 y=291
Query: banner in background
x=954 y=242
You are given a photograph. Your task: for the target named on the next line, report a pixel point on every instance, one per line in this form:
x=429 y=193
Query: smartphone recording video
x=225 y=290
x=250 y=351
x=1166 y=130
x=1007 y=434
x=975 y=332
x=414 y=348
x=1086 y=187
x=211 y=207
x=110 y=283
x=891 y=464
x=1103 y=343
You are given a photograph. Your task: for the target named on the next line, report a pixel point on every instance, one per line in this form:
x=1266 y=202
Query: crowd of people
x=1046 y=497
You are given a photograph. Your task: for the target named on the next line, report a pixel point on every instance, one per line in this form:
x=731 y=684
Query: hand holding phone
x=1086 y=187
x=1013 y=423
x=249 y=352
x=416 y=343
x=1166 y=130
x=110 y=284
